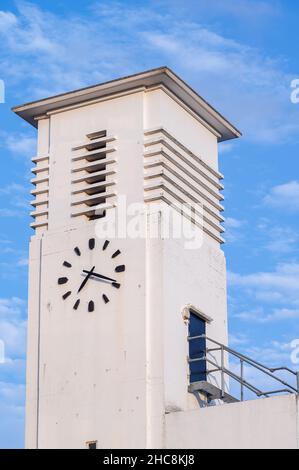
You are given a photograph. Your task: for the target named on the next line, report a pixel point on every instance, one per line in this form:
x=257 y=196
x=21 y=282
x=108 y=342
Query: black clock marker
x=115 y=254
x=90 y=306
x=62 y=280
x=116 y=285
x=66 y=295
x=77 y=251
x=67 y=264
x=91 y=243
x=105 y=298
x=105 y=245
x=120 y=269
x=76 y=305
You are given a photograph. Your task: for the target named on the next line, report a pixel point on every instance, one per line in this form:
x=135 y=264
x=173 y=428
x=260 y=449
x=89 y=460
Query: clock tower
x=110 y=313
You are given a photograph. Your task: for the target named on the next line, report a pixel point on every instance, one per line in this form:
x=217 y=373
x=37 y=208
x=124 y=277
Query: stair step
x=213 y=392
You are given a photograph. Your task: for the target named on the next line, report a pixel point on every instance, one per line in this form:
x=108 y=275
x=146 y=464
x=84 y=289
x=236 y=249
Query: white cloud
x=233 y=229
x=14 y=199
x=6 y=212
x=7 y=20
x=13 y=327
x=12 y=404
x=23 y=262
x=280 y=240
x=246 y=10
x=279 y=289
x=285 y=278
x=13 y=188
x=61 y=53
x=258 y=315
x=276 y=353
x=284 y=196
x=225 y=147
x=11 y=307
x=233 y=223
x=13 y=335
x=21 y=144
x=238 y=339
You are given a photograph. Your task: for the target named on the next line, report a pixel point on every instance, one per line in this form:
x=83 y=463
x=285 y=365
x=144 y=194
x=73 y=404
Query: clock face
x=103 y=282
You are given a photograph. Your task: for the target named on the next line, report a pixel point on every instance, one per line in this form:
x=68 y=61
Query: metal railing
x=244 y=384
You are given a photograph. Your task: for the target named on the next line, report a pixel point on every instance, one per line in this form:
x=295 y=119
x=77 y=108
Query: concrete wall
x=111 y=374
x=269 y=423
x=161 y=110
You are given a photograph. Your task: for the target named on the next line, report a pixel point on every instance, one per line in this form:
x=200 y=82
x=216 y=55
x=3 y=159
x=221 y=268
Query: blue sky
x=241 y=57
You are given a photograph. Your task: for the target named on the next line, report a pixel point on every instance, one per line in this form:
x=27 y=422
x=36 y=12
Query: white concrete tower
x=109 y=317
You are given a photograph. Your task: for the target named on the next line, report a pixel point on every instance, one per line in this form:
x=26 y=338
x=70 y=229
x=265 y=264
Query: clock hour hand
x=89 y=273
x=100 y=276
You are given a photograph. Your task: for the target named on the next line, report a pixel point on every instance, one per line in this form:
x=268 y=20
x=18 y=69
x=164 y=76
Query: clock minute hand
x=100 y=276
x=89 y=273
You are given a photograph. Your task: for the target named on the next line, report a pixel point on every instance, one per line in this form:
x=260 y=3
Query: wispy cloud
x=61 y=53
x=238 y=339
x=21 y=144
x=7 y=20
x=283 y=240
x=12 y=404
x=245 y=10
x=233 y=230
x=278 y=289
x=285 y=277
x=260 y=316
x=14 y=200
x=284 y=196
x=13 y=326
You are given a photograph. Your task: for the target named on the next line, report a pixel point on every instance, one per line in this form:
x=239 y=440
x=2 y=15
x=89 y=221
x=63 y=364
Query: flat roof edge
x=161 y=75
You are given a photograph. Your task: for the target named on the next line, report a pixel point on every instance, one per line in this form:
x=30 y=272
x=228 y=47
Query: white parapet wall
x=269 y=423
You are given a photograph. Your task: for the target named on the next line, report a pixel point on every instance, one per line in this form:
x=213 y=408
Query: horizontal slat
x=39 y=179
x=93 y=197
x=35 y=202
x=89 y=176
x=94 y=153
x=160 y=184
x=38 y=169
x=171 y=165
x=89 y=166
x=39 y=224
x=164 y=198
x=38 y=159
x=91 y=143
x=94 y=186
x=170 y=179
x=182 y=163
x=167 y=134
x=89 y=212
x=37 y=191
x=39 y=213
x=170 y=151
x=96 y=135
x=175 y=197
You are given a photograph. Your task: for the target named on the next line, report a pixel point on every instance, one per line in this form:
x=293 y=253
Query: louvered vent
x=177 y=176
x=41 y=192
x=93 y=176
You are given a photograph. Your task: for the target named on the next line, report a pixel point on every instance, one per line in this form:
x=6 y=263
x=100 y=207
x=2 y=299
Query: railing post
x=222 y=372
x=297 y=375
x=241 y=374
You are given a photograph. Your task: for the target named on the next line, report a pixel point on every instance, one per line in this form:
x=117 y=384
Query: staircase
x=214 y=392
x=211 y=391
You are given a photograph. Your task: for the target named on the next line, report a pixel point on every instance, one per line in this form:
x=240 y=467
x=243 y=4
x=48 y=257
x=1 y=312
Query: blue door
x=197 y=348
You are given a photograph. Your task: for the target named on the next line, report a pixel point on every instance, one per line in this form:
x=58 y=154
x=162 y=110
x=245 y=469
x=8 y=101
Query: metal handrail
x=240 y=378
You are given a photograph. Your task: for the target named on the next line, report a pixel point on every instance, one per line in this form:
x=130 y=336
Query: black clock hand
x=89 y=273
x=100 y=276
